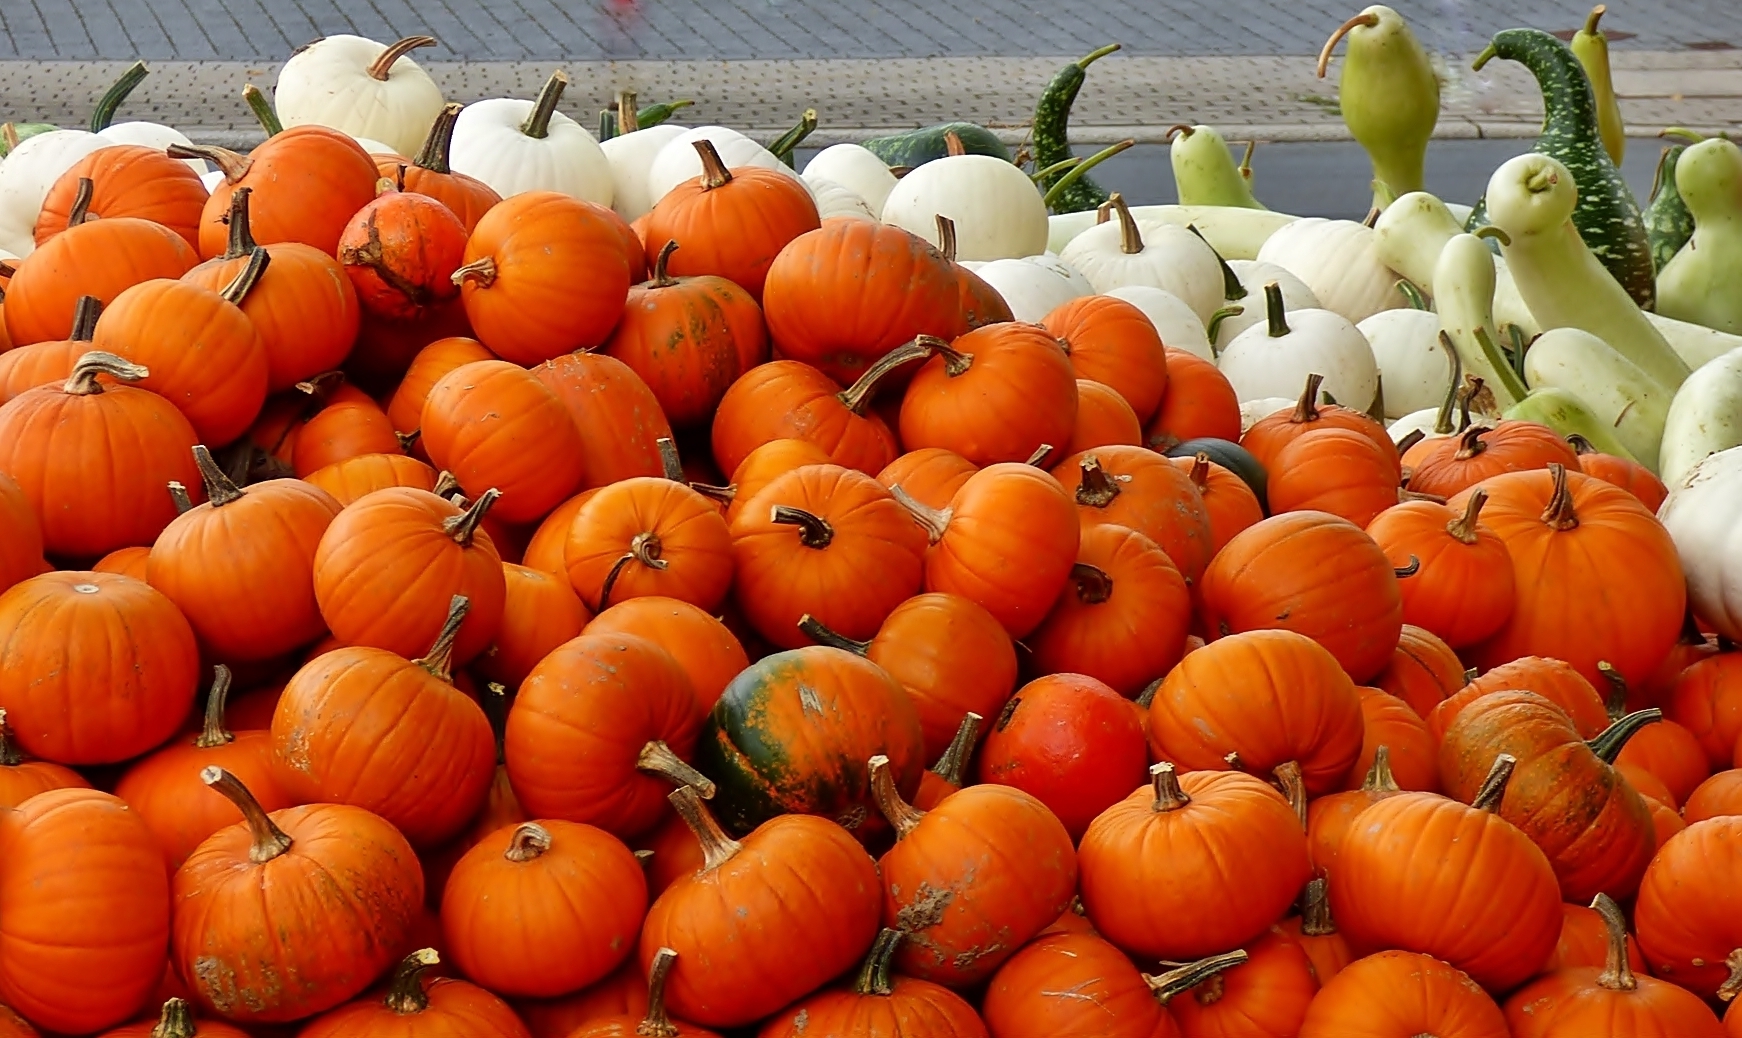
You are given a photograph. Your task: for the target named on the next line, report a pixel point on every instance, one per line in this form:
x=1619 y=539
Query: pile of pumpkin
x=427 y=612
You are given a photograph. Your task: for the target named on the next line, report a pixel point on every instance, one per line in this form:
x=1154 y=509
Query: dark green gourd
x=917 y=147
x=1051 y=135
x=1668 y=224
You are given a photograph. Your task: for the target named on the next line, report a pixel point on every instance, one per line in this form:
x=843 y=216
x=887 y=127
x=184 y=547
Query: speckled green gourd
x=917 y=147
x=1607 y=217
x=1389 y=96
x=1050 y=136
x=1668 y=224
x=1204 y=172
x=1703 y=282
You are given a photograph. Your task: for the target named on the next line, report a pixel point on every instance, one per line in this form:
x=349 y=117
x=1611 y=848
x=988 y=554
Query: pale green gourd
x=1389 y=96
x=1703 y=282
x=1204 y=172
x=1591 y=47
x=1612 y=387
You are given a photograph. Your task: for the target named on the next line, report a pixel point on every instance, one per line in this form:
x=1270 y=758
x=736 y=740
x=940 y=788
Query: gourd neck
x=405 y=994
x=903 y=817
x=103 y=115
x=438 y=146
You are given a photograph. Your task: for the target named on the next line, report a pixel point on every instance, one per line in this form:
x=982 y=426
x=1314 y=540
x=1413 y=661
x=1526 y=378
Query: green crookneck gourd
x=1204 y=172
x=1389 y=95
x=1668 y=224
x=1703 y=283
x=1051 y=136
x=1607 y=217
x=1591 y=47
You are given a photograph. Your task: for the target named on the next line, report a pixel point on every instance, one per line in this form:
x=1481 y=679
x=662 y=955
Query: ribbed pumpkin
x=1611 y=999
x=1290 y=701
x=600 y=732
x=388 y=565
x=544 y=274
x=1103 y=419
x=617 y=415
x=1191 y=863
x=1625 y=473
x=1199 y=402
x=1388 y=721
x=1686 y=916
x=1423 y=671
x=94 y=668
x=326 y=894
x=1140 y=489
x=1073 y=985
x=20 y=536
x=930 y=475
x=400 y=252
x=347 y=423
x=1585 y=941
x=1426 y=874
x=1330 y=817
x=22 y=778
x=880 y=1004
x=1339 y=471
x=689 y=338
x=543 y=908
x=960 y=918
x=785 y=399
x=1002 y=512
x=1464 y=590
x=50 y=362
x=427 y=758
x=131 y=181
x=129 y=442
x=1715 y=797
x=1555 y=681
x=1482 y=452
x=731 y=223
x=1317 y=934
x=842 y=296
x=1267 y=993
x=240 y=566
x=996 y=394
x=767 y=919
x=1229 y=502
x=1270 y=434
x=1314 y=574
x=431 y=365
x=428 y=173
x=652 y=1017
x=704 y=647
x=544 y=548
x=128 y=562
x=175 y=1020
x=1070 y=742
x=1626 y=612
x=416 y=1005
x=1114 y=343
x=307 y=181
x=494 y=424
x=649 y=536
x=1707 y=700
x=165 y=790
x=828 y=543
x=761 y=467
x=1396 y=994
x=539 y=613
x=348 y=480
x=84 y=910
x=303 y=306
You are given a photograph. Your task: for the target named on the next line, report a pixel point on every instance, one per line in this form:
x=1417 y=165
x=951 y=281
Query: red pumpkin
x=704 y=647
x=880 y=1004
x=1401 y=993
x=127 y=181
x=415 y=1005
x=307 y=182
x=996 y=394
x=731 y=223
x=400 y=252
x=1585 y=942
x=1138 y=488
x=346 y=424
x=623 y=993
x=617 y=415
x=1199 y=403
x=494 y=424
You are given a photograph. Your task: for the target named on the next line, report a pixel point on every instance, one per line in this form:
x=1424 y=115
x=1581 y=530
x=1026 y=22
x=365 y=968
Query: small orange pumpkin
x=494 y=424
x=308 y=181
x=127 y=180
x=1340 y=471
x=996 y=394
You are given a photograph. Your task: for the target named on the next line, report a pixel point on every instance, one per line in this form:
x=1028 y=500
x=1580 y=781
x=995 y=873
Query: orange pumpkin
x=1422 y=672
x=1267 y=993
x=1585 y=942
x=434 y=1006
x=1137 y=488
x=648 y=536
x=428 y=173
x=785 y=399
x=1103 y=419
x=1330 y=817
x=1339 y=471
x=623 y=993
x=127 y=180
x=1317 y=934
x=1482 y=452
x=1199 y=403
x=494 y=424
x=1625 y=473
x=175 y=1018
x=1270 y=434
x=22 y=778
x=1073 y=985
x=1464 y=589
x=544 y=274
x=618 y=416
x=1707 y=700
x=996 y=394
x=400 y=252
x=308 y=181
x=1112 y=342
x=46 y=363
x=759 y=468
x=879 y=1004
x=930 y=475
x=539 y=613
x=1688 y=924
x=653 y=1019
x=1716 y=797
x=431 y=365
x=1388 y=721
x=949 y=773
x=347 y=423
x=703 y=646
x=1671 y=756
x=1229 y=502
x=1555 y=681
x=1401 y=993
x=347 y=480
x=20 y=536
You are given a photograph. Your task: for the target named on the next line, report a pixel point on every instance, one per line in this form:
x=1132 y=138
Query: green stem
x=1275 y=312
x=1081 y=169
x=1502 y=366
x=1232 y=288
x=103 y=115
x=537 y=124
x=1413 y=293
x=1609 y=742
x=653 y=115
x=433 y=156
x=262 y=109
x=783 y=146
x=1056 y=168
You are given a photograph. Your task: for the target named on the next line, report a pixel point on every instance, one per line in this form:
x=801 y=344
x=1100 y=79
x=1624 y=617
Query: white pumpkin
x=1254 y=411
x=1703 y=515
x=1274 y=359
x=491 y=143
x=1127 y=251
x=1174 y=321
x=835 y=200
x=212 y=180
x=997 y=210
x=1426 y=420
x=1253 y=276
x=375 y=147
x=26 y=176
x=1032 y=290
x=1052 y=262
x=1339 y=261
x=631 y=155
x=856 y=168
x=678 y=161
x=367 y=89
x=1415 y=366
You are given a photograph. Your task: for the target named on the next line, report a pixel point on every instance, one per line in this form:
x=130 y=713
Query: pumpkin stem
x=717 y=847
x=440 y=659
x=408 y=439
x=1098 y=487
x=83 y=380
x=1580 y=445
x=213 y=733
x=820 y=633
x=1168 y=794
x=1094 y=585
x=81 y=210
x=233 y=166
x=528 y=842
x=10 y=757
x=626 y=113
x=495 y=702
x=947 y=237
x=437 y=146
x=1315 y=908
x=1275 y=311
x=813 y=530
x=1213 y=329
x=405 y=994
x=383 y=65
x=1176 y=982
x=85 y=314
x=660 y=278
x=1616 y=701
x=670 y=464
x=714 y=171
x=1379 y=777
x=656 y=758
x=1146 y=698
x=1493 y=787
x=175 y=1020
x=447 y=486
x=657 y=1023
x=178 y=494
x=952 y=767
x=902 y=815
x=858 y=396
x=537 y=124
x=933 y=521
x=1470 y=442
x=482 y=270
x=1293 y=785
x=238 y=290
x=1617 y=972
x=219 y=490
x=1464 y=527
x=261 y=107
x=462 y=527
x=645 y=548
x=1200 y=471
x=1130 y=239
x=722 y=496
x=1732 y=986
x=1559 y=514
x=1041 y=455
x=1232 y=759
x=953 y=145
x=241 y=242
x=269 y=840
x=1410 y=439
x=1608 y=743
x=1306 y=408
x=874 y=976
x=103 y=115
x=1408 y=569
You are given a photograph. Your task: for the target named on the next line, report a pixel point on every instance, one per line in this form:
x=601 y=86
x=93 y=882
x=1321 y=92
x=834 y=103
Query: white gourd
x=679 y=161
x=1339 y=261
x=835 y=200
x=1705 y=416
x=1703 y=515
x=1176 y=323
x=856 y=168
x=1254 y=411
x=367 y=89
x=1030 y=289
x=1254 y=275
x=1128 y=251
x=997 y=210
x=155 y=136
x=1413 y=363
x=1275 y=358
x=631 y=156
x=491 y=143
x=28 y=173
